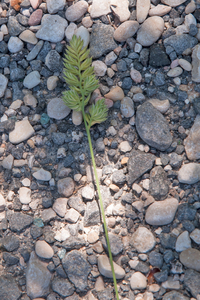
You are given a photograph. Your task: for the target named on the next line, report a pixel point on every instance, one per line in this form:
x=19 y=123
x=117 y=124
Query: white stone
x=72 y=215
x=185 y=64
x=192 y=142
x=25 y=195
x=161 y=105
x=125 y=147
x=53 y=6
x=88 y=192
x=16 y=104
x=105 y=268
x=23 y=130
x=76 y=11
x=2 y=203
x=99 y=68
x=195 y=236
x=183 y=242
x=32 y=79
x=175 y=72
x=44 y=250
x=4 y=29
x=15 y=44
x=7 y=162
x=26 y=182
x=173 y=3
x=30 y=100
x=84 y=34
x=159 y=10
x=190 y=8
x=190 y=20
x=77 y=117
x=161 y=212
x=3 y=84
x=142 y=9
x=56 y=109
x=143 y=240
x=60 y=206
x=120 y=9
x=150 y=31
x=42 y=175
x=70 y=31
x=196 y=63
x=62 y=235
x=92 y=237
x=126 y=30
x=29 y=37
x=189 y=173
x=138 y=281
x=99 y=8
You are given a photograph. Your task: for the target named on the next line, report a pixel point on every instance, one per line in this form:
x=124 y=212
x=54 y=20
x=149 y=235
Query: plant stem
x=101 y=205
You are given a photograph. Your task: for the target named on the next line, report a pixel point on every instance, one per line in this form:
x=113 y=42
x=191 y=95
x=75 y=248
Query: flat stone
x=99 y=68
x=15 y=44
x=190 y=258
x=42 y=175
x=60 y=206
x=138 y=281
x=38 y=278
x=56 y=109
x=185 y=64
x=62 y=287
x=35 y=17
x=159 y=183
x=192 y=282
x=3 y=84
x=183 y=242
x=53 y=6
x=120 y=9
x=34 y=52
x=87 y=192
x=76 y=11
x=192 y=142
x=150 y=31
x=115 y=94
x=77 y=269
x=173 y=3
x=143 y=240
x=101 y=40
x=125 y=147
x=175 y=72
x=70 y=31
x=161 y=105
x=23 y=130
x=20 y=221
x=43 y=249
x=52 y=28
x=138 y=164
x=65 y=186
x=136 y=75
x=152 y=127
x=32 y=79
x=83 y=33
x=180 y=42
x=25 y=195
x=161 y=212
x=174 y=295
x=189 y=173
x=99 y=8
x=9 y=288
x=159 y=10
x=29 y=37
x=72 y=215
x=142 y=9
x=105 y=268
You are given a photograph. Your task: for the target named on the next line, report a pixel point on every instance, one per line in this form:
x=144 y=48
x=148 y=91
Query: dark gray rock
x=156 y=259
x=10 y=259
x=14 y=28
x=53 y=61
x=17 y=91
x=77 y=269
x=58 y=138
x=159 y=183
x=15 y=72
x=38 y=278
x=100 y=147
x=44 y=51
x=101 y=40
x=10 y=242
x=167 y=241
x=8 y=288
x=174 y=295
x=138 y=164
x=77 y=203
x=144 y=56
x=159 y=80
x=20 y=221
x=91 y=216
x=116 y=244
x=127 y=198
x=180 y=42
x=152 y=127
x=168 y=256
x=142 y=267
x=158 y=57
x=118 y=177
x=105 y=295
x=127 y=83
x=4 y=60
x=192 y=282
x=186 y=212
x=62 y=287
x=73 y=242
x=161 y=276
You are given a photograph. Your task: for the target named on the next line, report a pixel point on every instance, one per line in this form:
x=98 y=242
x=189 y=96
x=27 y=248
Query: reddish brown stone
x=35 y=18
x=15 y=4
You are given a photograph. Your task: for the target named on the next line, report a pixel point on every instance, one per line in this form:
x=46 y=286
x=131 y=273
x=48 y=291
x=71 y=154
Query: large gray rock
x=189 y=173
x=196 y=63
x=159 y=183
x=143 y=240
x=77 y=269
x=8 y=288
x=192 y=282
x=152 y=127
x=20 y=221
x=52 y=28
x=180 y=42
x=38 y=278
x=174 y=295
x=116 y=244
x=190 y=258
x=101 y=40
x=138 y=164
x=192 y=142
x=173 y=3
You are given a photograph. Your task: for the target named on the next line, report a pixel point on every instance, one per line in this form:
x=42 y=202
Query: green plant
x=79 y=75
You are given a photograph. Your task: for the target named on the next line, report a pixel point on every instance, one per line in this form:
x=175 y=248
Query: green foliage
x=79 y=75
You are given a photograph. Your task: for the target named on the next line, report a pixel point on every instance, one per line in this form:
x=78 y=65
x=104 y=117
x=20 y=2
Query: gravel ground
x=146 y=57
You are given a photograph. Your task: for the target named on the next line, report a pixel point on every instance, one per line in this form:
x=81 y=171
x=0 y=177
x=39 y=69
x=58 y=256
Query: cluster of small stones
x=146 y=55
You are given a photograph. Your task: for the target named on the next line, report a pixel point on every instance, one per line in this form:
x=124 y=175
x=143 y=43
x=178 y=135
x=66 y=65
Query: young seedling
x=79 y=75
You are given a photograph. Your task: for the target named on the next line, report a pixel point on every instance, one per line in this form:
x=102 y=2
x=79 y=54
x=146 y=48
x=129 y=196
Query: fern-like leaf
x=98 y=112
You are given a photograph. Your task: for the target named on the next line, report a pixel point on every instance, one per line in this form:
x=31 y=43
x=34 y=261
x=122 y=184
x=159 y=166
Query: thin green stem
x=101 y=205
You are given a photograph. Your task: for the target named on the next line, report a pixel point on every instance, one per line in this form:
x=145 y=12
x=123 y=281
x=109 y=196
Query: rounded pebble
x=43 y=249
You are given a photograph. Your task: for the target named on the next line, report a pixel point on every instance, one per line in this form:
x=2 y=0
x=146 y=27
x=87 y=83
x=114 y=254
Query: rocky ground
x=147 y=57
